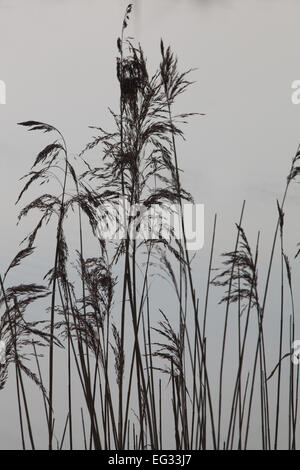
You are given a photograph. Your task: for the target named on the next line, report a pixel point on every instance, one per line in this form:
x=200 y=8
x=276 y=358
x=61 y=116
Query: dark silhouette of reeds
x=134 y=373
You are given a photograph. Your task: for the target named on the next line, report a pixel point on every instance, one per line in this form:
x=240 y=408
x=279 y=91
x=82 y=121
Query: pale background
x=57 y=58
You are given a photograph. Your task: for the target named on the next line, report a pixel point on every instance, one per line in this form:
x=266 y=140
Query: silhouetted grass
x=104 y=317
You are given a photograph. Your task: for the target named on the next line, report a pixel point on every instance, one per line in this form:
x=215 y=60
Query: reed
x=144 y=384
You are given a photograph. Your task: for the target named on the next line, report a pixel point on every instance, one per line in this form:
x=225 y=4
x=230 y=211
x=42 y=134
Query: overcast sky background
x=57 y=58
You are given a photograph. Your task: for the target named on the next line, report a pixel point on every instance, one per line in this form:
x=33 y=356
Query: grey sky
x=57 y=59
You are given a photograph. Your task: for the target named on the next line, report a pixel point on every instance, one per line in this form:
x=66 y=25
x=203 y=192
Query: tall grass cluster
x=144 y=384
